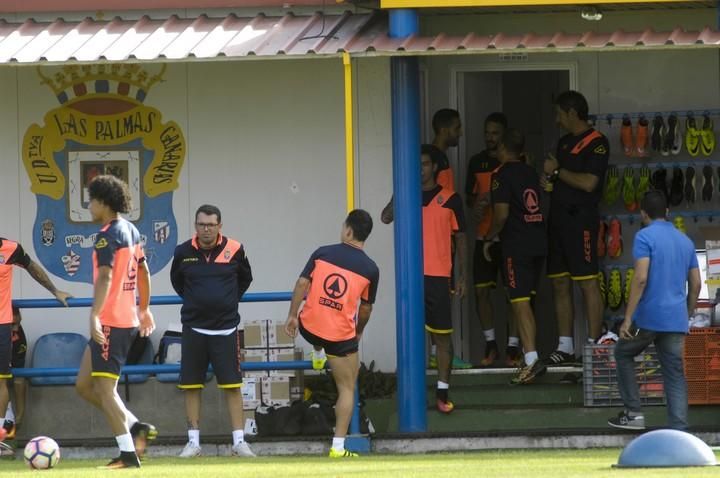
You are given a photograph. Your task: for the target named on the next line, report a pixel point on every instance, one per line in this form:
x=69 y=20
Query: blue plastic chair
x=60 y=349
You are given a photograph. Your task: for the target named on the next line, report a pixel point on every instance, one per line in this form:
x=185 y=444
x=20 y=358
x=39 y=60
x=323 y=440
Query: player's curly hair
x=112 y=192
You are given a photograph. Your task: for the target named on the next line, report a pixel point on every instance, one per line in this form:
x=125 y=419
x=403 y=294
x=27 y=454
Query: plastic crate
x=600 y=384
x=702 y=365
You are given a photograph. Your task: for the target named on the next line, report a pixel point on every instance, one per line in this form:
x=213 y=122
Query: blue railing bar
x=156 y=368
x=154 y=300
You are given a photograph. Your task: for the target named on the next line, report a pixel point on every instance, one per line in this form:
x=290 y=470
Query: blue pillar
x=405 y=84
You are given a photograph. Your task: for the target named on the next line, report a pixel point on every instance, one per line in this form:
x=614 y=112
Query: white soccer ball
x=42 y=453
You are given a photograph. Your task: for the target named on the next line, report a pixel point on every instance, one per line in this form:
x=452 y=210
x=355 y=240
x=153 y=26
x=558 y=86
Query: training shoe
x=658 y=133
x=242 y=449
x=626 y=136
x=614 y=243
x=444 y=406
x=458 y=363
x=641 y=138
x=627 y=422
x=318 y=363
x=629 y=189
x=6 y=450
x=707 y=137
x=191 y=450
x=692 y=136
x=708 y=183
x=612 y=186
x=629 y=274
x=659 y=181
x=127 y=459
x=513 y=356
x=603 y=287
x=676 y=187
x=560 y=359
x=342 y=454
x=679 y=224
x=643 y=184
x=528 y=373
x=673 y=137
x=491 y=354
x=432 y=361
x=690 y=185
x=602 y=239
x=141 y=432
x=615 y=292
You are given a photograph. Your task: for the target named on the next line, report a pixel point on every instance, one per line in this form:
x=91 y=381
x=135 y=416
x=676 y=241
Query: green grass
x=488 y=464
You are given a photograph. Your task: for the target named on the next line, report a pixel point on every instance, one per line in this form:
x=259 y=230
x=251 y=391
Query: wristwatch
x=555 y=175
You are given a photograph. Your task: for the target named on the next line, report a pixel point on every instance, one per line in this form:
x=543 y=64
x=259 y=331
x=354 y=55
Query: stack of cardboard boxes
x=266 y=341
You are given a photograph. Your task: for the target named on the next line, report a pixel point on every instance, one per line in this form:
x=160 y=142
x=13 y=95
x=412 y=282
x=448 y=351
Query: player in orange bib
x=119 y=269
x=12 y=254
x=338 y=284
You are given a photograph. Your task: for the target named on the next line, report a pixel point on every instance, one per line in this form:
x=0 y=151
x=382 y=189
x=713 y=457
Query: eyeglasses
x=205 y=225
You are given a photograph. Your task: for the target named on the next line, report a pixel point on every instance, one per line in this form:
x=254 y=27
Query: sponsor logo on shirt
x=335 y=286
x=102 y=243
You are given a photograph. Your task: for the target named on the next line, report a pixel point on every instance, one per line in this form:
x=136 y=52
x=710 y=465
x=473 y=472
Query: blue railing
x=174 y=368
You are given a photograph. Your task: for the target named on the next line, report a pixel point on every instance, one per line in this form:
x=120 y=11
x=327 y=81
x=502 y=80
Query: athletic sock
x=513 y=341
x=130 y=419
x=433 y=349
x=319 y=354
x=530 y=357
x=238 y=437
x=125 y=443
x=442 y=390
x=565 y=344
x=194 y=437
x=338 y=444
x=9 y=414
x=489 y=335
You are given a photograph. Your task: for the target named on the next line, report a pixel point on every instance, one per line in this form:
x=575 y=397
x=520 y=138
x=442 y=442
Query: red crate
x=702 y=365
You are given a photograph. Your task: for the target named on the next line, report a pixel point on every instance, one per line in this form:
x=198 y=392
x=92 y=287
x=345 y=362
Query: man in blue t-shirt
x=663 y=294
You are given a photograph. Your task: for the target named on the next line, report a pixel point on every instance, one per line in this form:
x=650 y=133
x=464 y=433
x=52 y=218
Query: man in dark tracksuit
x=211 y=273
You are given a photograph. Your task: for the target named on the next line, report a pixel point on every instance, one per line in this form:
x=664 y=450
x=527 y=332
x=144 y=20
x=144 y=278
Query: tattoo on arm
x=37 y=273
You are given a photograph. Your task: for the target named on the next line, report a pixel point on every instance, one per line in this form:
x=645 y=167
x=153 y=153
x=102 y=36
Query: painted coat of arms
x=102 y=126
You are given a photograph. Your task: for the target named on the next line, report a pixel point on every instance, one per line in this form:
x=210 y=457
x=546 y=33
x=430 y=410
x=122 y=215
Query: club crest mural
x=102 y=126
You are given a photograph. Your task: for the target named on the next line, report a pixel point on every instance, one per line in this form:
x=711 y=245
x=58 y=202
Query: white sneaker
x=242 y=449
x=191 y=450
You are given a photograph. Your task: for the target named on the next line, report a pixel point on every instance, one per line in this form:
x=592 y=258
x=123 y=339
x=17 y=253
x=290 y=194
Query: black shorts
x=521 y=275
x=108 y=359
x=19 y=348
x=5 y=350
x=332 y=349
x=438 y=318
x=572 y=248
x=485 y=273
x=199 y=350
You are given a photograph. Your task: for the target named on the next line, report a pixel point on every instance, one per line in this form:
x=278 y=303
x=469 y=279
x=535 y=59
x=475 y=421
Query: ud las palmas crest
x=102 y=126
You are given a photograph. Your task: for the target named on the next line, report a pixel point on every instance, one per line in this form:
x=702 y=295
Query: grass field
x=489 y=464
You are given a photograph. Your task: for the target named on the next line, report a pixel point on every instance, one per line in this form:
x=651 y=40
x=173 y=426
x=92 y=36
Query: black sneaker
x=528 y=373
x=627 y=422
x=659 y=181
x=658 y=133
x=690 y=185
x=676 y=187
x=141 y=432
x=127 y=459
x=560 y=359
x=708 y=183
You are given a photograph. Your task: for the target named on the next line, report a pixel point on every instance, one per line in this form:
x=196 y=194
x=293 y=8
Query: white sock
x=194 y=437
x=489 y=334
x=530 y=357
x=9 y=415
x=566 y=345
x=433 y=349
x=130 y=419
x=238 y=437
x=319 y=354
x=338 y=443
x=125 y=442
x=513 y=341
x=443 y=385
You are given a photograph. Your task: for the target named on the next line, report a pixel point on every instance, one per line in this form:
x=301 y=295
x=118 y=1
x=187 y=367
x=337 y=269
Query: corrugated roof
x=291 y=36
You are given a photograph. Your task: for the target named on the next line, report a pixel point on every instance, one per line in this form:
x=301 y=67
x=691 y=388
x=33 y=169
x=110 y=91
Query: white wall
x=265 y=144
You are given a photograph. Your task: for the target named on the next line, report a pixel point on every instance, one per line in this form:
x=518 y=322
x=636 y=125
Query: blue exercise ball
x=664 y=448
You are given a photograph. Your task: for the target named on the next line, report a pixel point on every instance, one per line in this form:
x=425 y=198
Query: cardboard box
x=281 y=391
x=285 y=355
x=255 y=334
x=252 y=393
x=254 y=355
x=277 y=338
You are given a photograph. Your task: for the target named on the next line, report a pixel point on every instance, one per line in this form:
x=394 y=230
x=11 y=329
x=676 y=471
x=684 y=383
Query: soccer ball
x=42 y=453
